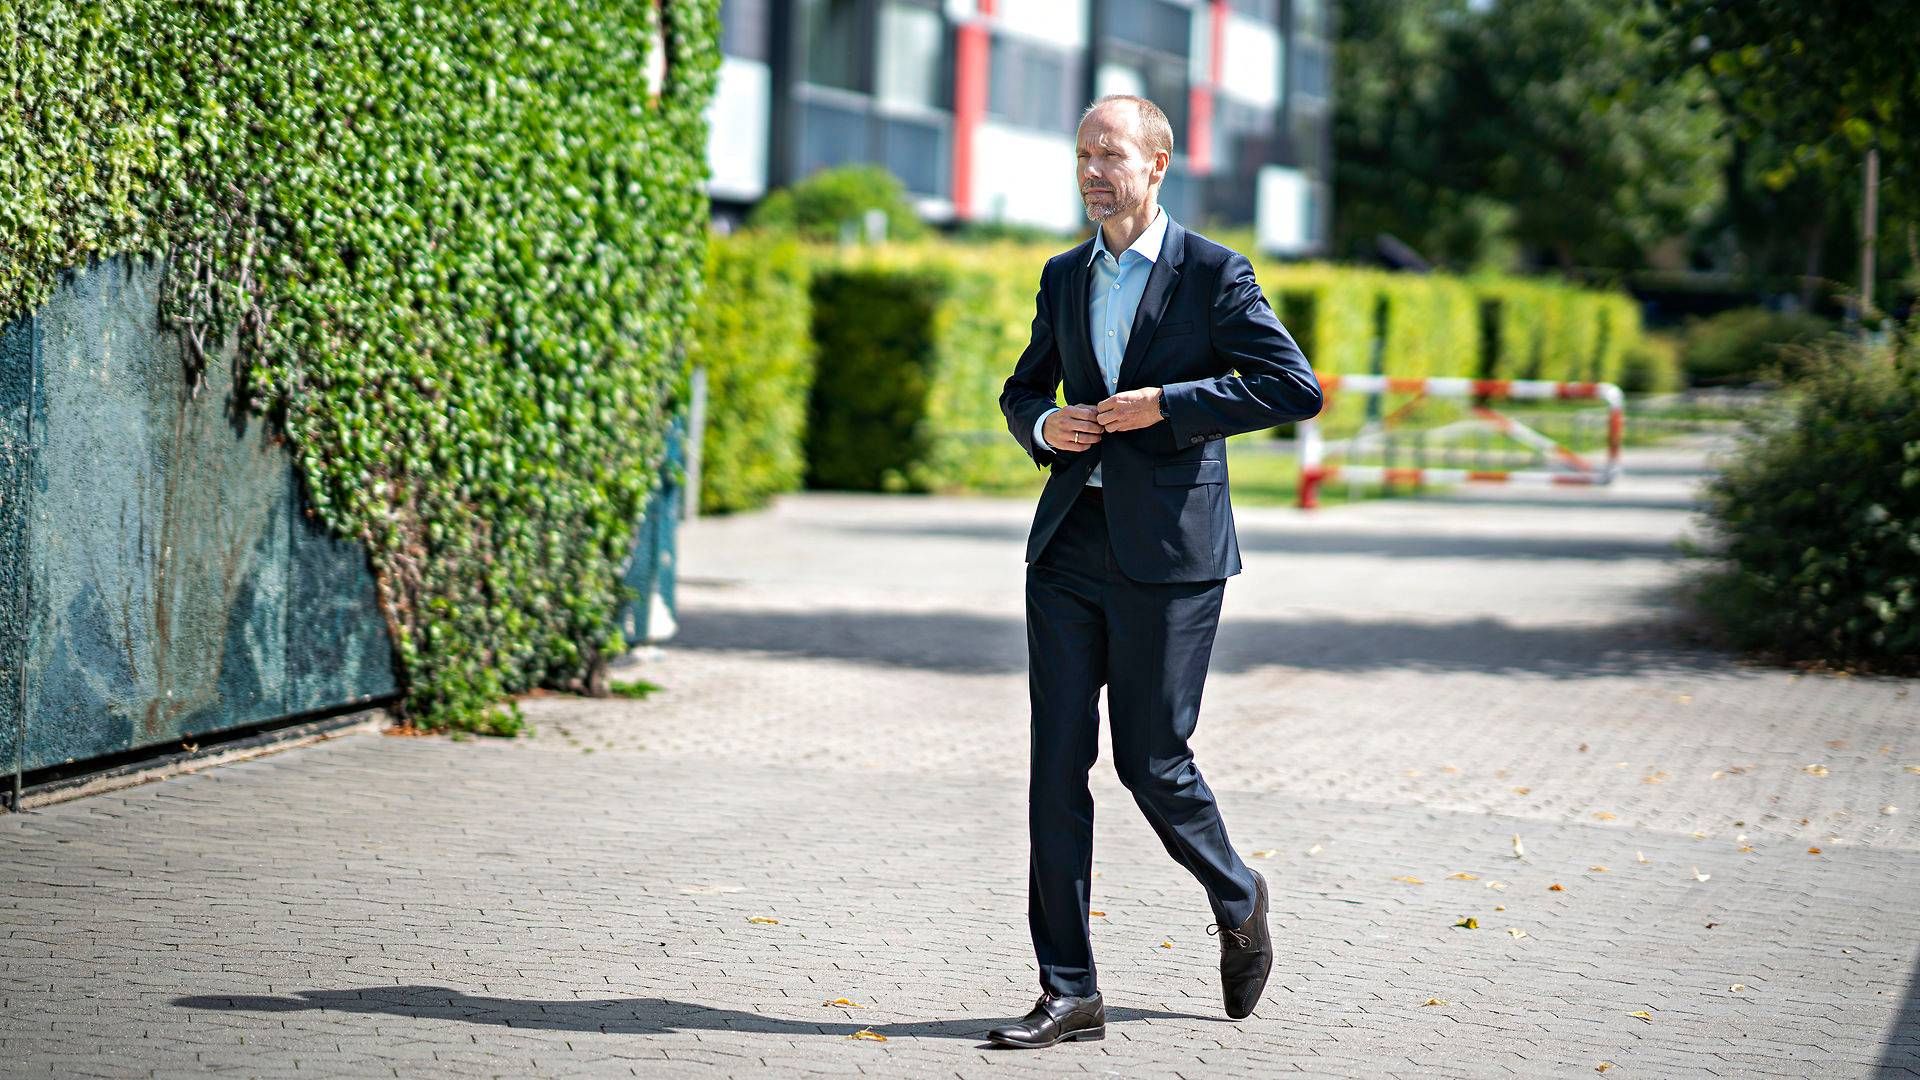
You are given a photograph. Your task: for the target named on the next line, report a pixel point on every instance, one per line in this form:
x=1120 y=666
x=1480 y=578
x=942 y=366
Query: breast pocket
x=1190 y=473
x=1167 y=330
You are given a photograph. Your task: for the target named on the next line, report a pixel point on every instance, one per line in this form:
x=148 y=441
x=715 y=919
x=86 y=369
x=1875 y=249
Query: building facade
x=973 y=104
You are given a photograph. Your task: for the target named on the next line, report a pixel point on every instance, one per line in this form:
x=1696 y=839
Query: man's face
x=1115 y=171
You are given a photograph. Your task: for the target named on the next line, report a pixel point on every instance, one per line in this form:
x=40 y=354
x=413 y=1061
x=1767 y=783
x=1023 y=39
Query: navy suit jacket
x=1205 y=334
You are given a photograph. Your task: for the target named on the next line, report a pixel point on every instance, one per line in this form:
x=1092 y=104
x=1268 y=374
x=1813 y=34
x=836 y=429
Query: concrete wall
x=162 y=579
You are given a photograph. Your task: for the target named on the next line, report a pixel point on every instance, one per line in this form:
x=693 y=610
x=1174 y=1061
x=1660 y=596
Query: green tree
x=1807 y=89
x=1534 y=127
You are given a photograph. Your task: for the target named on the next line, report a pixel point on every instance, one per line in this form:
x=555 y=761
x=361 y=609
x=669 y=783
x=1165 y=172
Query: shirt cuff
x=1039 y=435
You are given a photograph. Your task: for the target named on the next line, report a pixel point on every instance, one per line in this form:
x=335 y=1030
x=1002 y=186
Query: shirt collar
x=1147 y=243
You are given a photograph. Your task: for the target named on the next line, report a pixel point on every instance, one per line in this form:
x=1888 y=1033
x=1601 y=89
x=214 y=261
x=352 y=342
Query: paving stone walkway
x=826 y=803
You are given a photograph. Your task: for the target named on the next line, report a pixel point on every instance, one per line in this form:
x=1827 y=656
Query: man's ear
x=1162 y=161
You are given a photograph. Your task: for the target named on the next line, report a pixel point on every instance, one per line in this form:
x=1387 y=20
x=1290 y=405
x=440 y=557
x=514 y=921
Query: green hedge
x=458 y=242
x=914 y=345
x=752 y=334
x=915 y=342
x=1819 y=514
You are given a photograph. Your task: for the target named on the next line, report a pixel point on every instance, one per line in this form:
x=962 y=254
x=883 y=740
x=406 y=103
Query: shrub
x=1820 y=515
x=751 y=332
x=914 y=346
x=1746 y=344
x=458 y=241
x=1652 y=366
x=821 y=205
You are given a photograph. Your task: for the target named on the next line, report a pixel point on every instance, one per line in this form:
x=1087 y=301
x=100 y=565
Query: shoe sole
x=1084 y=1035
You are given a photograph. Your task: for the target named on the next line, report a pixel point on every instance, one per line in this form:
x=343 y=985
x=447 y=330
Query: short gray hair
x=1156 y=131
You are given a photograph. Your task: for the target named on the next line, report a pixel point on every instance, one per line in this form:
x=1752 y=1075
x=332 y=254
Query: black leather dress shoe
x=1055 y=1018
x=1246 y=956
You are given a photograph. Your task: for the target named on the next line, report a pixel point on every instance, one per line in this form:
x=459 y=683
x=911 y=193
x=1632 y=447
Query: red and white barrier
x=1573 y=469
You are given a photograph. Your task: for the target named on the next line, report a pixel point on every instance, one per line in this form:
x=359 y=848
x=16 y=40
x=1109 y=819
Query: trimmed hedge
x=914 y=344
x=1820 y=515
x=458 y=242
x=752 y=333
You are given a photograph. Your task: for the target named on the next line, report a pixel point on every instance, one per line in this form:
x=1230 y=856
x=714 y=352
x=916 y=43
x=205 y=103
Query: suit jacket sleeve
x=1274 y=383
x=1029 y=392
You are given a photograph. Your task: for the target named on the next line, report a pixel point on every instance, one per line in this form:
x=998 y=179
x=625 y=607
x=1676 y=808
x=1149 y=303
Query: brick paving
x=1400 y=688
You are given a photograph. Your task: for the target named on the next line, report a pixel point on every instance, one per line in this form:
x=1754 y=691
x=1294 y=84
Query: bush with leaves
x=833 y=201
x=1747 y=344
x=1818 y=516
x=752 y=334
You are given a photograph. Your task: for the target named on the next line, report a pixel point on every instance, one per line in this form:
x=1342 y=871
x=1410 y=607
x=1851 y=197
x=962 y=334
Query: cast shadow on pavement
x=1314 y=540
x=1900 y=1054
x=963 y=643
x=614 y=1016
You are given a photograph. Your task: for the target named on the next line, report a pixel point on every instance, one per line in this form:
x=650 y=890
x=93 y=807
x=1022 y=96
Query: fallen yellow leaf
x=1518 y=851
x=1913 y=768
x=1641 y=857
x=1698 y=876
x=764 y=921
x=1514 y=931
x=1499 y=907
x=1265 y=853
x=1166 y=944
x=1604 y=815
x=1410 y=879
x=1432 y=1001
x=1496 y=884
x=1462 y=875
x=1813 y=851
x=1556 y=887
x=844 y=1003
x=1098 y=914
x=1469 y=922
x=864 y=1033
x=1603 y=1066
x=1314 y=850
x=1738 y=987
x=1521 y=790
x=1598 y=869
x=1643 y=1014
x=1816 y=770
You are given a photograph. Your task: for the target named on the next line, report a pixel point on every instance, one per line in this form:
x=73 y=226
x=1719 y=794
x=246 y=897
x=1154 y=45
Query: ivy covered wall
x=459 y=242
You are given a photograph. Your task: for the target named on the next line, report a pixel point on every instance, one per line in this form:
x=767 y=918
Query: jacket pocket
x=1184 y=326
x=1211 y=471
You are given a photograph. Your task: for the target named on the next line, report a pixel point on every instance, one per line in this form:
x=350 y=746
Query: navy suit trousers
x=1089 y=625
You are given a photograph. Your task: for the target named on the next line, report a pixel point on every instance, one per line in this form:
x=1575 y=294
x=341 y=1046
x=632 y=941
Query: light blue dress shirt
x=1114 y=297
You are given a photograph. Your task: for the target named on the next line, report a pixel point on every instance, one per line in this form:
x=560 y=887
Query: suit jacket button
x=1197 y=438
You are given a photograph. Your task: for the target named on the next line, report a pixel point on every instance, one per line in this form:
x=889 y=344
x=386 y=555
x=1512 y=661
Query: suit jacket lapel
x=1077 y=336
x=1153 y=302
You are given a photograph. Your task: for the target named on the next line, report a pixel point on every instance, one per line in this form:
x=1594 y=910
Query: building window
x=1159 y=77
x=830 y=31
x=1033 y=86
x=911 y=65
x=1150 y=24
x=744 y=28
x=1310 y=74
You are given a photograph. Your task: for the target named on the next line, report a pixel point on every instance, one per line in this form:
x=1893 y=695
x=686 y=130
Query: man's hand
x=1129 y=410
x=1072 y=429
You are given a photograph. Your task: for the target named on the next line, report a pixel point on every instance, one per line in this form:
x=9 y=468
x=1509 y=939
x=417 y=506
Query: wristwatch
x=1163 y=406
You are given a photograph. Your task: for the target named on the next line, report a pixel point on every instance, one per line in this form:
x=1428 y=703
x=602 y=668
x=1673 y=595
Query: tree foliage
x=1535 y=124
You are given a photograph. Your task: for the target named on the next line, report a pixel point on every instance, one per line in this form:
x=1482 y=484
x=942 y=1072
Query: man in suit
x=1166 y=347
